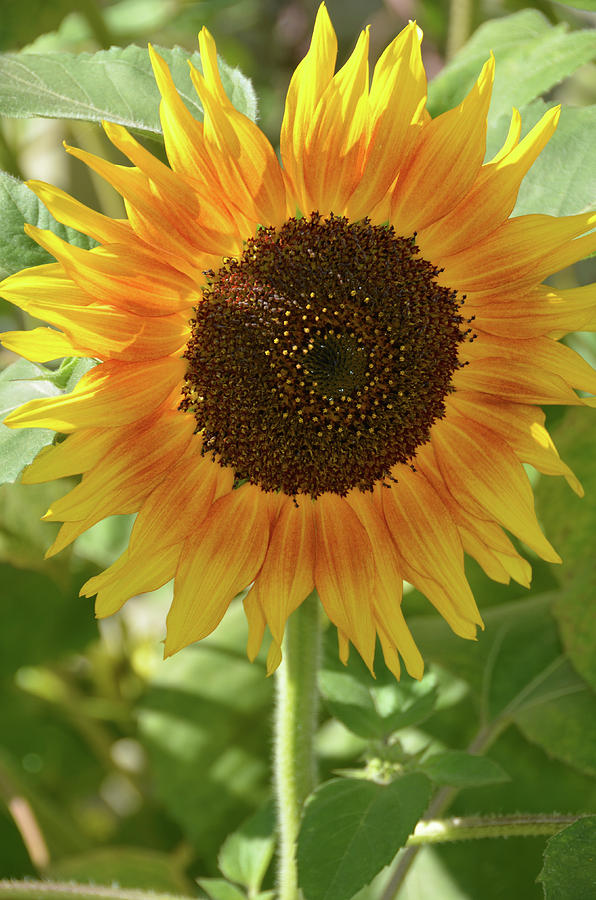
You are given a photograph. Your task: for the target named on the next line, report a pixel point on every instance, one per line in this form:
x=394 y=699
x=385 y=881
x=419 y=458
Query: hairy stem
x=294 y=762
x=466 y=828
x=459 y=26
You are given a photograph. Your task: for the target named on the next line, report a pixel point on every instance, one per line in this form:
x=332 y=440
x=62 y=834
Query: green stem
x=459 y=26
x=296 y=713
x=58 y=890
x=442 y=799
x=466 y=828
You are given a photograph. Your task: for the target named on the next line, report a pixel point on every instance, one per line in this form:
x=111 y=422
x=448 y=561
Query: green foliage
x=459 y=769
x=531 y=55
x=18 y=204
x=204 y=721
x=129 y=867
x=352 y=829
x=562 y=181
x=569 y=869
x=115 y=85
x=20 y=382
x=372 y=709
x=246 y=854
x=136 y=771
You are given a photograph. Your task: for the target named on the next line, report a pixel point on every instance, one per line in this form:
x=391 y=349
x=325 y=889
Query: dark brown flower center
x=322 y=356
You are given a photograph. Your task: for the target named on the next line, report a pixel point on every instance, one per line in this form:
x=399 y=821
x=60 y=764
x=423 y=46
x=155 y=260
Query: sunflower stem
x=459 y=25
x=296 y=714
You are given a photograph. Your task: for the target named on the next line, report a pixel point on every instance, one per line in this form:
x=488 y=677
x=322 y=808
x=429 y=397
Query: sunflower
x=319 y=374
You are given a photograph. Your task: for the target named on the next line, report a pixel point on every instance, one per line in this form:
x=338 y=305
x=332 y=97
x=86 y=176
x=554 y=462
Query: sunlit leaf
x=246 y=854
x=116 y=85
x=532 y=56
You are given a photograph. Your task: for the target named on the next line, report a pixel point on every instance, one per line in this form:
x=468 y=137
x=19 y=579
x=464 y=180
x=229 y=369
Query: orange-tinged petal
x=218 y=560
x=516 y=381
x=483 y=474
x=179 y=503
x=309 y=81
x=127 y=578
x=522 y=427
x=287 y=576
x=246 y=163
x=430 y=548
x=112 y=394
x=546 y=354
x=397 y=98
x=122 y=479
x=522 y=251
x=445 y=162
x=491 y=198
x=75 y=214
x=116 y=334
x=77 y=453
x=345 y=572
x=121 y=276
x=392 y=628
x=256 y=622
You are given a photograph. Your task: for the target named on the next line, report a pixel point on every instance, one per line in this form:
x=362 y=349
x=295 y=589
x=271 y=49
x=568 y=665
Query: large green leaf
x=570 y=522
x=532 y=56
x=560 y=716
x=18 y=205
x=41 y=620
x=205 y=723
x=352 y=829
x=569 y=871
x=115 y=85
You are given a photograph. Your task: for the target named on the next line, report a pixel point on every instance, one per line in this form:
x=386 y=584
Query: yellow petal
x=484 y=475
x=112 y=394
x=445 y=162
x=40 y=344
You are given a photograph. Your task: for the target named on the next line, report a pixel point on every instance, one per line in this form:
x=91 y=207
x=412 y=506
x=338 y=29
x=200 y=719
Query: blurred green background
x=117 y=767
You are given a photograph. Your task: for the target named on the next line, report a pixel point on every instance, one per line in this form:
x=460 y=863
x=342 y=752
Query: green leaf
x=562 y=181
x=570 y=523
x=32 y=597
x=569 y=871
x=18 y=204
x=115 y=85
x=579 y=4
x=373 y=708
x=352 y=829
x=531 y=57
x=204 y=722
x=460 y=769
x=560 y=716
x=20 y=382
x=517 y=648
x=129 y=867
x=218 y=889
x=245 y=855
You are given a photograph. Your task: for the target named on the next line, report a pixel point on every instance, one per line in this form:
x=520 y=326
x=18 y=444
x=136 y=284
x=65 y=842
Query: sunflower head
x=318 y=371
